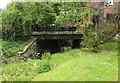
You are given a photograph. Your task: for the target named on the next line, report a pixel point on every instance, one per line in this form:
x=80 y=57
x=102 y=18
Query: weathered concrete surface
x=30 y=49
x=58 y=36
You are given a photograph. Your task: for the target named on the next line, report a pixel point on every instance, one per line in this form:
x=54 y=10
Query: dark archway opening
x=56 y=45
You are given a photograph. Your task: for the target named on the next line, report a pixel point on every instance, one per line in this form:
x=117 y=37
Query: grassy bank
x=73 y=65
x=88 y=67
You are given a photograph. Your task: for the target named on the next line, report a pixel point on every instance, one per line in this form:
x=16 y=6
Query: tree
x=106 y=30
x=20 y=18
x=101 y=18
x=71 y=12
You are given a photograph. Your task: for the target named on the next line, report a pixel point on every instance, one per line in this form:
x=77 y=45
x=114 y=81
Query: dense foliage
x=21 y=18
x=10 y=48
x=18 y=21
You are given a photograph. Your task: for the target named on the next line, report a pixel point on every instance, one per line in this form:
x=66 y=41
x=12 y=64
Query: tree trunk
x=101 y=18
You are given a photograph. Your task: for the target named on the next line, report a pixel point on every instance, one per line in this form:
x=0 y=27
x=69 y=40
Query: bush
x=43 y=66
x=92 y=38
x=10 y=48
x=46 y=56
x=110 y=45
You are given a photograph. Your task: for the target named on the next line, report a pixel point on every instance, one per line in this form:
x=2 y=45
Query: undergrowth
x=10 y=48
x=56 y=64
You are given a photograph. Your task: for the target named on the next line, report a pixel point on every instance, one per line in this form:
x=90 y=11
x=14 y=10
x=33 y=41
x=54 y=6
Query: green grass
x=84 y=67
x=72 y=65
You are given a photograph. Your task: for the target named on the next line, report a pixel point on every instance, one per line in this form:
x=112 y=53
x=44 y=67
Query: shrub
x=43 y=66
x=47 y=56
x=10 y=48
x=110 y=45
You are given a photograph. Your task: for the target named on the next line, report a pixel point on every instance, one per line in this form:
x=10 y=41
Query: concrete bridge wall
x=29 y=50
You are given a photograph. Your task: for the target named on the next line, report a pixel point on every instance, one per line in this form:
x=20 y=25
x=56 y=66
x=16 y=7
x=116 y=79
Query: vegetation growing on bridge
x=19 y=21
